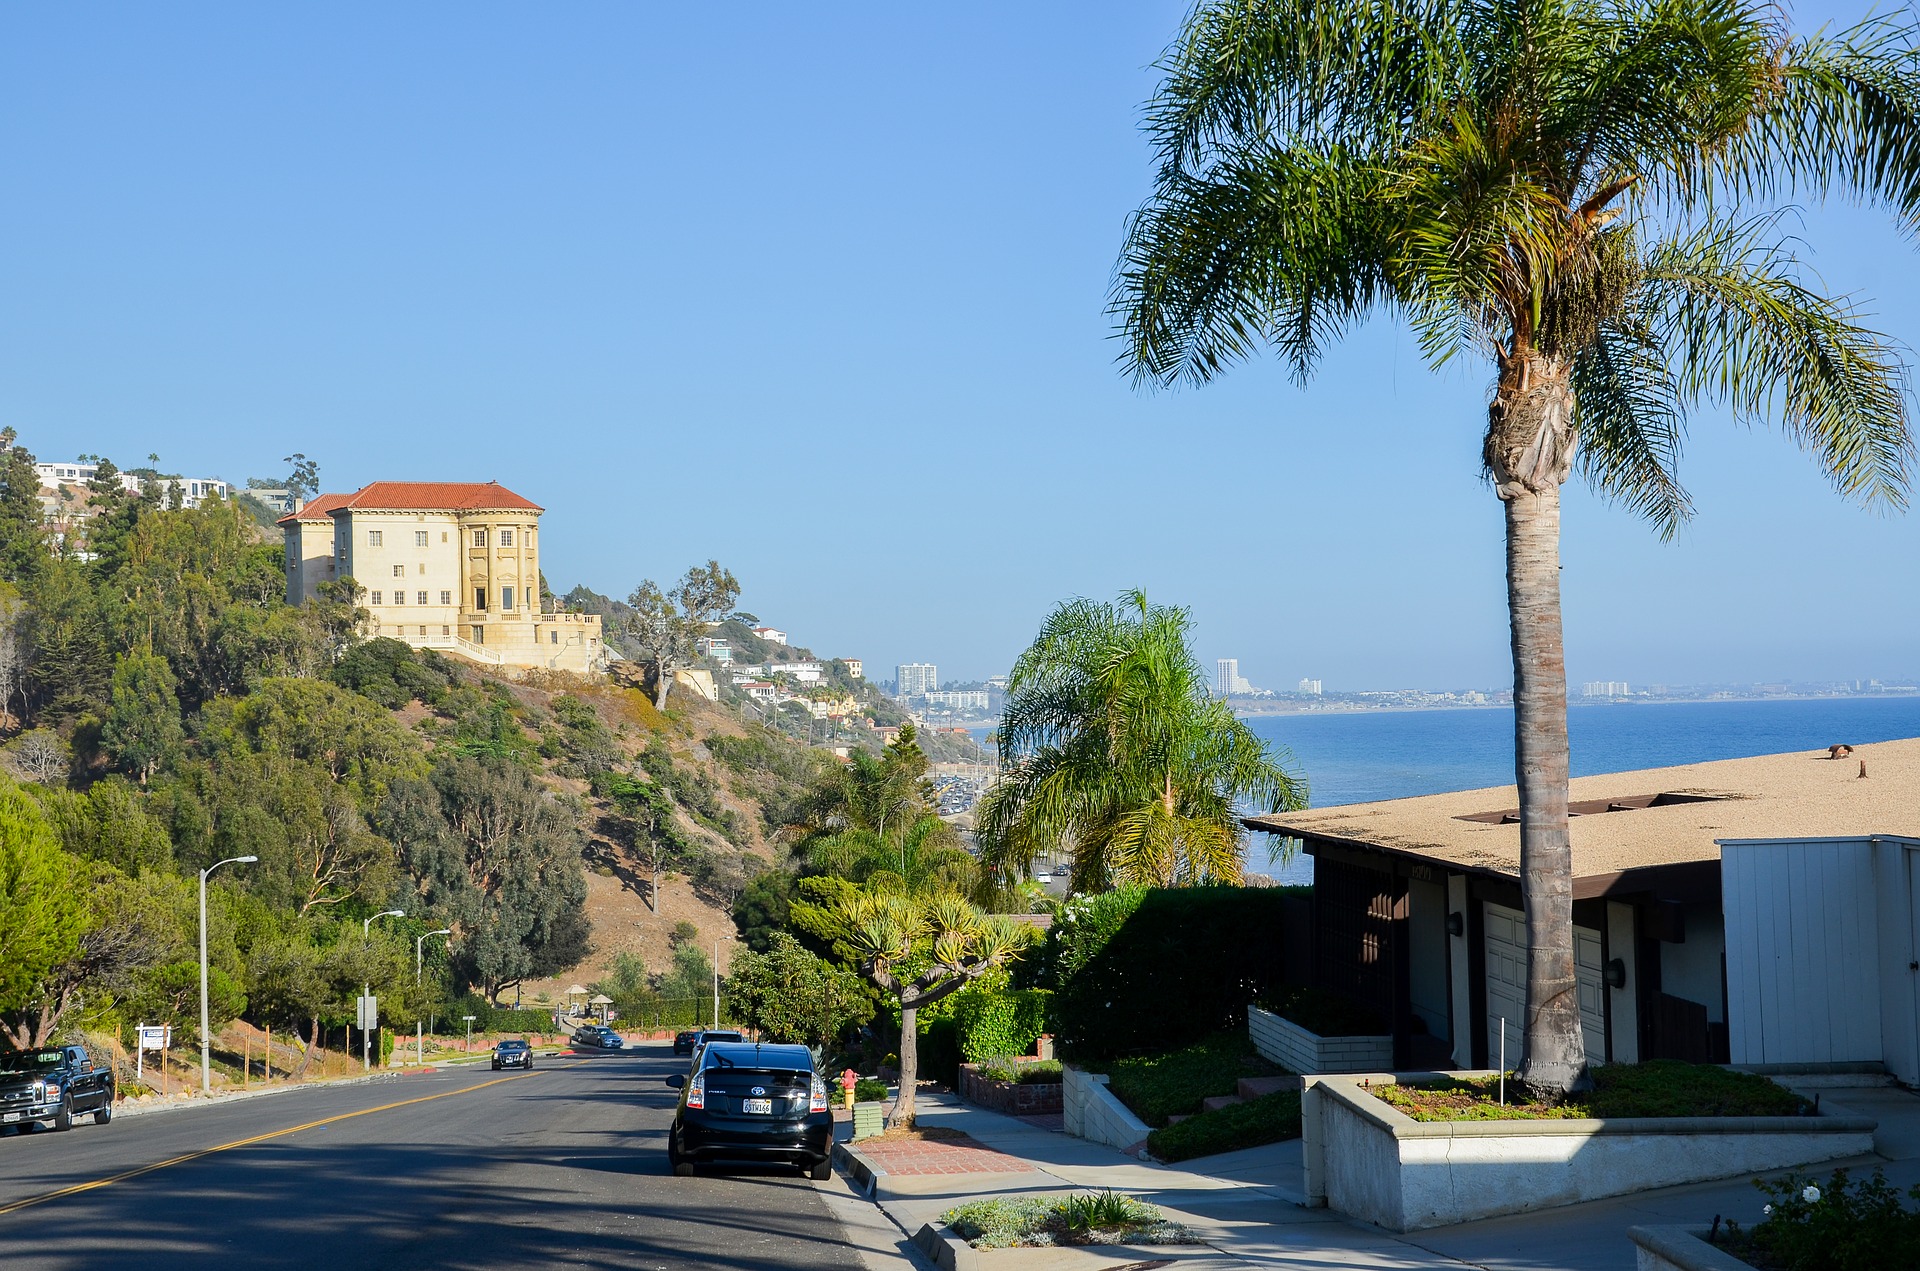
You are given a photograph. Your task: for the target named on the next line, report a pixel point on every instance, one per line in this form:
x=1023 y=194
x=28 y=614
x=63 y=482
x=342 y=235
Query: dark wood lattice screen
x=1354 y=933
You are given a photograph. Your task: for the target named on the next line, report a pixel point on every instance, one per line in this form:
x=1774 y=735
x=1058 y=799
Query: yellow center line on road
x=182 y=1159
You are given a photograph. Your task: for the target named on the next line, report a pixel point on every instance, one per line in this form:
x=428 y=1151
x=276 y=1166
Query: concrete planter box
x=1679 y=1249
x=1370 y=1161
x=1014 y=1098
x=1279 y=1040
x=1091 y=1112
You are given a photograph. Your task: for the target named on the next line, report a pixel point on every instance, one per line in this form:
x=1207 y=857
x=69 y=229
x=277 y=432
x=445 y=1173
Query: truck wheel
x=63 y=1117
x=104 y=1114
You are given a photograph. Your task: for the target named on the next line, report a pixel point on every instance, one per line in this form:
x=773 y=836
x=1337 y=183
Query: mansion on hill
x=445 y=565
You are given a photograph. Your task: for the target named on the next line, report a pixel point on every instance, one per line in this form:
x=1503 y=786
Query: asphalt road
x=564 y=1166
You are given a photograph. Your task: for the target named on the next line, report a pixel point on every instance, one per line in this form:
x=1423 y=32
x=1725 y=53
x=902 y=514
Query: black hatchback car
x=752 y=1103
x=684 y=1039
x=512 y=1053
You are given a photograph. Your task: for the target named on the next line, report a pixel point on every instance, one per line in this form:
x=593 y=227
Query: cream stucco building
x=445 y=565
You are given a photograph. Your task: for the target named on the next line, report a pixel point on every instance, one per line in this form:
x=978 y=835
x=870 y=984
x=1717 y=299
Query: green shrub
x=1156 y=1087
x=1325 y=1014
x=1268 y=1119
x=1041 y=1072
x=940 y=1051
x=869 y=1090
x=1001 y=1023
x=1084 y=1218
x=1147 y=968
x=1840 y=1226
x=501 y=1019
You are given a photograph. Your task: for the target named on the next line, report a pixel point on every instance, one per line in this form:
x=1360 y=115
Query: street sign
x=368 y=1008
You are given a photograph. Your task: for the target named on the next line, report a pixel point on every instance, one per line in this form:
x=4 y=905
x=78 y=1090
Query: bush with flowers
x=1840 y=1225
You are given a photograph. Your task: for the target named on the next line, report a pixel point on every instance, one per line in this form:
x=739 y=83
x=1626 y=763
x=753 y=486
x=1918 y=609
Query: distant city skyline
x=621 y=260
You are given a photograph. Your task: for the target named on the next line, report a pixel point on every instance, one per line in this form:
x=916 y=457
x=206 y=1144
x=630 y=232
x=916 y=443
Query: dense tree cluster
x=162 y=708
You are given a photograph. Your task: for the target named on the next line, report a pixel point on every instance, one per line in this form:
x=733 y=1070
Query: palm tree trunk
x=902 y=1117
x=1530 y=444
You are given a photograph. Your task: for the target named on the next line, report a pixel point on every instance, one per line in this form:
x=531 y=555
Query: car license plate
x=762 y=1107
x=15 y=1116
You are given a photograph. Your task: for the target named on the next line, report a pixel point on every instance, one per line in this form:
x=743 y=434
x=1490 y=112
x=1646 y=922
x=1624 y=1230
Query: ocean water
x=1364 y=756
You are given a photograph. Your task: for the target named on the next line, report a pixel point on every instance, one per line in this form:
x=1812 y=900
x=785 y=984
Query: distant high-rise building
x=1226 y=678
x=1310 y=687
x=912 y=679
x=1604 y=688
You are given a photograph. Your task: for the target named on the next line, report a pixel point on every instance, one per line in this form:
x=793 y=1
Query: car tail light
x=818 y=1103
x=697 y=1092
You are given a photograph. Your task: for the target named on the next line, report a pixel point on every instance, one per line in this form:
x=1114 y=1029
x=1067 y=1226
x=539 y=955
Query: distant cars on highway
x=684 y=1039
x=704 y=1036
x=751 y=1102
x=598 y=1036
x=512 y=1053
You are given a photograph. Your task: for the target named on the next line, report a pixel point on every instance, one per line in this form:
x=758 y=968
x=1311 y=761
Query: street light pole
x=206 y=1043
x=419 y=1038
x=366 y=991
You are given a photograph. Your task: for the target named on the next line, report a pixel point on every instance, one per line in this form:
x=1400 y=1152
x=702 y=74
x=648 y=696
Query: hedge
x=1152 y=969
x=995 y=1024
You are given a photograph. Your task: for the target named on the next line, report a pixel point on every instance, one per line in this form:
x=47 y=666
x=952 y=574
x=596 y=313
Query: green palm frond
x=1742 y=330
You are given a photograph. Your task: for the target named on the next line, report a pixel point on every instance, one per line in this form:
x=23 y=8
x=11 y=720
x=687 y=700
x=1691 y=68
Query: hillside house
x=1417 y=910
x=445 y=565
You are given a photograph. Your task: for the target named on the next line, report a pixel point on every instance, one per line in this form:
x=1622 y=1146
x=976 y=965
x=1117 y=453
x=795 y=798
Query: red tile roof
x=316 y=510
x=418 y=496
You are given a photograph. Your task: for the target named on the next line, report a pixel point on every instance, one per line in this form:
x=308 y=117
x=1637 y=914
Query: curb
x=856 y=1163
x=127 y=1108
x=945 y=1250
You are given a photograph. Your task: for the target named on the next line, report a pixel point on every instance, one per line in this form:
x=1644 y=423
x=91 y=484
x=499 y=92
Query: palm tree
x=926 y=856
x=1114 y=751
x=1550 y=184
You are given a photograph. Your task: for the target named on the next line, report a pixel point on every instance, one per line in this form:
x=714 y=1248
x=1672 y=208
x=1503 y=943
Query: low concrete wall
x=1013 y=1098
x=1284 y=1042
x=1679 y=1249
x=1093 y=1113
x=1368 y=1160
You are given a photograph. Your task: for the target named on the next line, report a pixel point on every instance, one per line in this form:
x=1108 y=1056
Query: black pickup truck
x=52 y=1083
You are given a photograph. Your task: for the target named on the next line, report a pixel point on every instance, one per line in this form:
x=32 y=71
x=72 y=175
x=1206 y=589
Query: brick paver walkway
x=938 y=1156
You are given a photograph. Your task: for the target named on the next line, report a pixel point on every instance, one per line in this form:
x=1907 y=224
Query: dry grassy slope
x=616 y=905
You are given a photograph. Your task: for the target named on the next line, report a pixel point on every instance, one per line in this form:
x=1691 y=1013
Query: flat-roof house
x=1417 y=901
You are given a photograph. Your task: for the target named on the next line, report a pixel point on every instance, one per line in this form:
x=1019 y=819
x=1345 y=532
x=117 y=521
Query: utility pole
x=206 y=1041
x=367 y=1025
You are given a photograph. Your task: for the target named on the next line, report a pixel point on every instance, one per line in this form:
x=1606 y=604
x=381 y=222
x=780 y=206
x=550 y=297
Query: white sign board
x=369 y=1012
x=154 y=1036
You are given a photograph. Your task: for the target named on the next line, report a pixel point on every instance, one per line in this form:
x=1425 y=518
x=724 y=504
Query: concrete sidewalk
x=1248 y=1204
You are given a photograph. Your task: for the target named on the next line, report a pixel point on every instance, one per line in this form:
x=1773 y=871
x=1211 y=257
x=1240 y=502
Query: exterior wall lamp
x=1617 y=974
x=1456 y=923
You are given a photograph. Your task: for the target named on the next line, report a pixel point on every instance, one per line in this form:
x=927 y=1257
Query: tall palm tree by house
x=1114 y=752
x=1553 y=185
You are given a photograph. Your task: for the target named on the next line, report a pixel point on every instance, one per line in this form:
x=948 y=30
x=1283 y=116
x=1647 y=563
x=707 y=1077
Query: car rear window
x=748 y=1055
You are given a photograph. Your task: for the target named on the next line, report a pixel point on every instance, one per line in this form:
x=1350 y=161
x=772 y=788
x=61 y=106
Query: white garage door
x=1507 y=984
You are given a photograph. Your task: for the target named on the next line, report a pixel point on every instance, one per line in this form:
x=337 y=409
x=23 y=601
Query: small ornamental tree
x=790 y=995
x=919 y=949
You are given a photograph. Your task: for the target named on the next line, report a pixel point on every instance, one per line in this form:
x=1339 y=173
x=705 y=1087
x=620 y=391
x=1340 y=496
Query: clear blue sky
x=818 y=290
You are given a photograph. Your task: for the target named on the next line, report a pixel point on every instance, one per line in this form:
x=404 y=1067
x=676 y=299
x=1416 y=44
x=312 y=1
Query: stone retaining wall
x=1013 y=1098
x=1367 y=1159
x=1093 y=1113
x=1281 y=1041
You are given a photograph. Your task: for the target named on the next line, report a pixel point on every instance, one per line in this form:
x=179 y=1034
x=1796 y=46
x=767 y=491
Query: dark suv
x=512 y=1053
x=685 y=1040
x=750 y=1102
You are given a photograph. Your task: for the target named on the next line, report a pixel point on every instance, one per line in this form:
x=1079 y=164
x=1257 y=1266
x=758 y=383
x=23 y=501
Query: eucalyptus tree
x=1115 y=753
x=1586 y=193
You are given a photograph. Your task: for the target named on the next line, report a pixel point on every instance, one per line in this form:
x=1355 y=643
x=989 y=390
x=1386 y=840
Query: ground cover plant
x=1839 y=1226
x=1035 y=1072
x=869 y=1090
x=1174 y=1082
x=1268 y=1119
x=1325 y=1014
x=1086 y=1218
x=1657 y=1088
